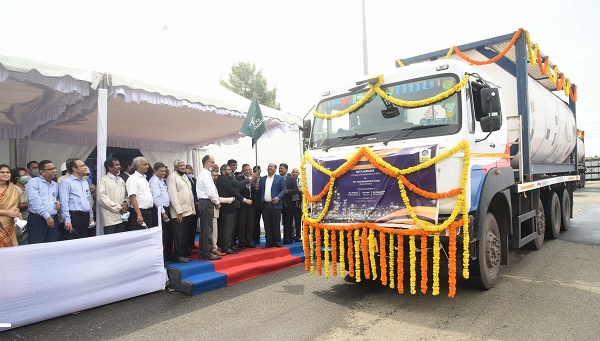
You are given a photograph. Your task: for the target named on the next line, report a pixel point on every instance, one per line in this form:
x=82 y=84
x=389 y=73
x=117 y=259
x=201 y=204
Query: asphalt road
x=550 y=294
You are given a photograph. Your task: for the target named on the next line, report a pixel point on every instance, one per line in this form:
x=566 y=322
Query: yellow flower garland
x=355 y=105
x=391 y=260
x=413 y=264
x=357 y=275
x=372 y=253
x=436 y=265
x=342 y=255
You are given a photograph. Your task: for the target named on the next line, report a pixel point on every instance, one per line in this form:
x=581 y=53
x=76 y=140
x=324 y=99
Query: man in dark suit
x=245 y=214
x=272 y=190
x=291 y=188
x=226 y=214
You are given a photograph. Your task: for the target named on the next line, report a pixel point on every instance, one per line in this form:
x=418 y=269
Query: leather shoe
x=268 y=245
x=286 y=242
x=219 y=253
x=298 y=239
x=276 y=244
x=212 y=257
x=230 y=251
x=248 y=245
x=182 y=260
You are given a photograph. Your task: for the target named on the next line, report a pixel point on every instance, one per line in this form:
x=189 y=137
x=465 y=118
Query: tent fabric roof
x=57 y=103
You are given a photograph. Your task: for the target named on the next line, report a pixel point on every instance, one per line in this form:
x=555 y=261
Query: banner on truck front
x=364 y=193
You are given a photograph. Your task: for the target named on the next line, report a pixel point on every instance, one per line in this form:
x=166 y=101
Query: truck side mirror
x=490 y=101
x=490 y=123
x=306 y=128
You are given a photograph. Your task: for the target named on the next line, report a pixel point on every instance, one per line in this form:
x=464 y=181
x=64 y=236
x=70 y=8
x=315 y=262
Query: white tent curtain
x=56 y=152
x=154 y=156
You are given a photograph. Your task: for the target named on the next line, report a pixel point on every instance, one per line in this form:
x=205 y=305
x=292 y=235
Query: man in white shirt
x=207 y=201
x=112 y=197
x=140 y=196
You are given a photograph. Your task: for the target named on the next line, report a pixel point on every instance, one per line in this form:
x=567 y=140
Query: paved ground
x=550 y=294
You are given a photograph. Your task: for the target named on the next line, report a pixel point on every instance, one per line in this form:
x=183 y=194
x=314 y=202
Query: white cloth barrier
x=43 y=281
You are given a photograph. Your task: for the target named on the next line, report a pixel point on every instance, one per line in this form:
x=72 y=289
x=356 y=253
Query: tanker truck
x=440 y=167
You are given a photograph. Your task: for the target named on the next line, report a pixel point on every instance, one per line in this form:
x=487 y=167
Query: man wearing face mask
x=189 y=171
x=183 y=211
x=112 y=197
x=42 y=223
x=32 y=169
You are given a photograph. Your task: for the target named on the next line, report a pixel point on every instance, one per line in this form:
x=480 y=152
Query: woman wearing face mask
x=9 y=208
x=19 y=177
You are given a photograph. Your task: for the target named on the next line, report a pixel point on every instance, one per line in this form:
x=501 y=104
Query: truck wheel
x=552 y=211
x=487 y=265
x=538 y=242
x=565 y=209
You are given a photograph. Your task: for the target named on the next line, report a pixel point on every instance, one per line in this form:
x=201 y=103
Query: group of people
x=225 y=204
x=33 y=195
x=230 y=206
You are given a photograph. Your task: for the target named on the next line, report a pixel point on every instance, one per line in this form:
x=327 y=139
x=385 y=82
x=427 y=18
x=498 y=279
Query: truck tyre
x=565 y=209
x=489 y=250
x=538 y=242
x=553 y=218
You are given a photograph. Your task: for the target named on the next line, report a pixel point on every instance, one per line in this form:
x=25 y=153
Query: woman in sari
x=9 y=208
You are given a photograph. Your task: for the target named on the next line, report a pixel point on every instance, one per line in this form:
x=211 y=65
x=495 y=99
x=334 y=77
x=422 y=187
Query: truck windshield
x=378 y=119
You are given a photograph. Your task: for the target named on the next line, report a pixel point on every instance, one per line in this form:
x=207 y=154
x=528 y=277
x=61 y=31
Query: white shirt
x=138 y=185
x=160 y=196
x=268 y=185
x=205 y=187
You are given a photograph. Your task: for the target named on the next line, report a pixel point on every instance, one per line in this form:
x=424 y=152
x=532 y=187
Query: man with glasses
x=75 y=202
x=42 y=223
x=140 y=195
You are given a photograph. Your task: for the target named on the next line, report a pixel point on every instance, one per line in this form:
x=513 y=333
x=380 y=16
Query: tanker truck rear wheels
x=538 y=242
x=486 y=267
x=565 y=207
x=553 y=215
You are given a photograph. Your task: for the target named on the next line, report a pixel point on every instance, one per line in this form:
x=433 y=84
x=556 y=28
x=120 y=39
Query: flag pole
x=256 y=153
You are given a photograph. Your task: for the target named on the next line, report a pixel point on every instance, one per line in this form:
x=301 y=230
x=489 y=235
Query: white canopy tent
x=54 y=112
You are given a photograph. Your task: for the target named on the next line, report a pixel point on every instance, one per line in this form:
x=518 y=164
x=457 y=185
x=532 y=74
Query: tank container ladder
x=516 y=120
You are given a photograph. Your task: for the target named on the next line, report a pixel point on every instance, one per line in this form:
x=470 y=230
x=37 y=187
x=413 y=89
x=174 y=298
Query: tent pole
x=101 y=138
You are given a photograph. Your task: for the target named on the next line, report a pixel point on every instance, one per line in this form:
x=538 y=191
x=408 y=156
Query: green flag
x=254 y=125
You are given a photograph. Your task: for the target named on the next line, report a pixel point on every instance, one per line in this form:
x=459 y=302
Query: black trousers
x=39 y=231
x=245 y=225
x=297 y=214
x=117 y=228
x=226 y=227
x=180 y=235
x=146 y=214
x=272 y=220
x=80 y=222
x=288 y=218
x=256 y=230
x=167 y=233
x=206 y=212
x=192 y=230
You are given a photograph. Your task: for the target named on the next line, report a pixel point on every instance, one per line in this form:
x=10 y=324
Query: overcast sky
x=303 y=47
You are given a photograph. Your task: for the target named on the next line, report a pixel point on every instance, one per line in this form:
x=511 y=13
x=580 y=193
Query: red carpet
x=251 y=263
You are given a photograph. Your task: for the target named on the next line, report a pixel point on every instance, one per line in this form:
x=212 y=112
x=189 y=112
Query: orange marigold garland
x=364 y=243
x=424 y=264
x=382 y=260
x=495 y=59
x=350 y=257
x=357 y=275
x=318 y=251
x=452 y=263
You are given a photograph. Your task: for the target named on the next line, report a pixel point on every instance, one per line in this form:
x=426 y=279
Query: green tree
x=245 y=80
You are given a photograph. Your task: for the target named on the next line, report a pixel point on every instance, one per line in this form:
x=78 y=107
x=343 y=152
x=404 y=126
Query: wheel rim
x=492 y=250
